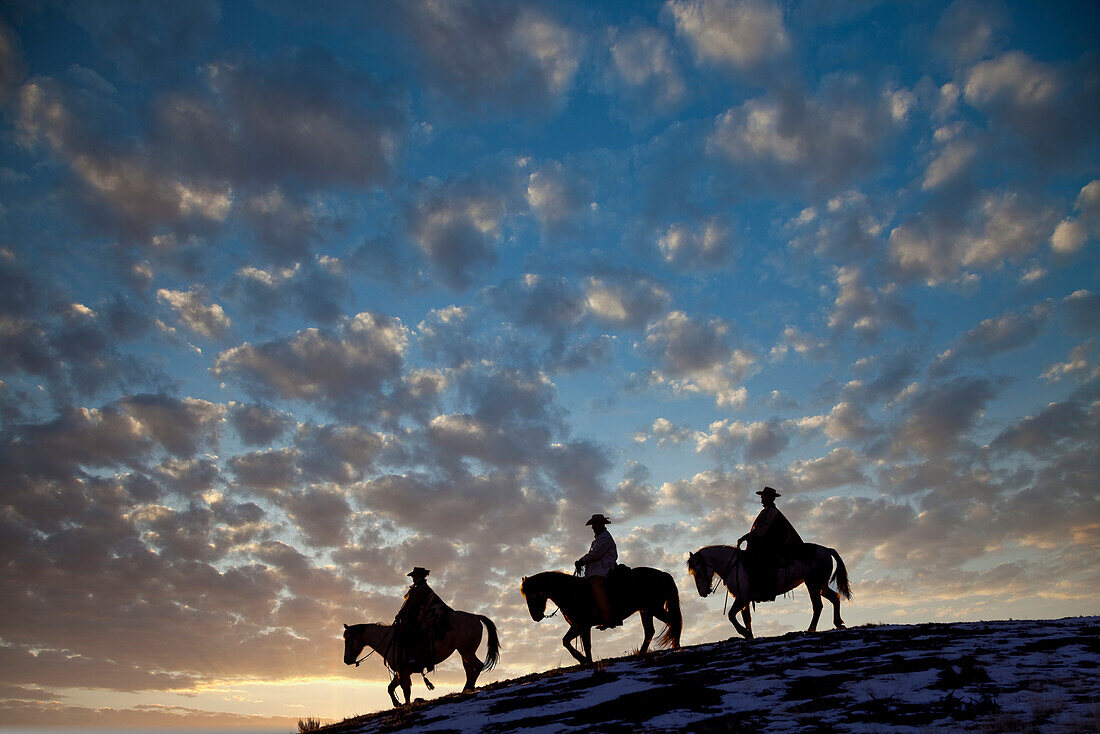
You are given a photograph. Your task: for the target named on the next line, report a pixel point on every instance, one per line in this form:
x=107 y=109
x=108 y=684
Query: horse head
x=702 y=572
x=536 y=600
x=352 y=645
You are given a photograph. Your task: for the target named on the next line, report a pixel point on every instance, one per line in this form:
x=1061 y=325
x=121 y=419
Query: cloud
x=1047 y=109
x=940 y=415
x=1077 y=364
x=300 y=116
x=788 y=138
x=1012 y=80
x=458 y=229
x=625 y=300
x=148 y=44
x=1076 y=420
x=760 y=440
x=1082 y=310
x=951 y=163
x=861 y=309
x=800 y=343
x=845 y=422
x=709 y=245
x=139 y=194
x=128 y=432
x=840 y=467
x=666 y=433
x=11 y=61
x=694 y=356
x=739 y=34
x=336 y=369
x=317 y=288
x=1000 y=228
x=494 y=57
x=1071 y=233
x=995 y=336
x=848 y=227
x=643 y=71
x=968 y=31
x=336 y=453
x=283 y=228
x=257 y=425
x=558 y=197
x=495 y=506
x=207 y=321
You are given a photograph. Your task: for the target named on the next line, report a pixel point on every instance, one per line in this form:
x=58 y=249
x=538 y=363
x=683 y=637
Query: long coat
x=773 y=536
x=424 y=613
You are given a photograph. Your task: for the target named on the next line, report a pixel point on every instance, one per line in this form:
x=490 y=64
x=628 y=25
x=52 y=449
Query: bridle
x=372 y=650
x=735 y=558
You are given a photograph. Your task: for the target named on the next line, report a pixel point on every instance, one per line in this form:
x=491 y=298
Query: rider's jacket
x=772 y=534
x=423 y=611
x=601 y=555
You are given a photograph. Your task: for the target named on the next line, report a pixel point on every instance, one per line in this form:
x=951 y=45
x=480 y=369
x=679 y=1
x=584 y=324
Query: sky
x=295 y=297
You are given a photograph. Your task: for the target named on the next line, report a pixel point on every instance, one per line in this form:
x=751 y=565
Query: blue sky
x=295 y=298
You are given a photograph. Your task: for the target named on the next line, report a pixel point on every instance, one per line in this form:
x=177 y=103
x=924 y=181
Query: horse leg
x=815 y=602
x=473 y=668
x=743 y=608
x=647 y=627
x=571 y=635
x=406 y=684
x=392 y=688
x=835 y=599
x=586 y=640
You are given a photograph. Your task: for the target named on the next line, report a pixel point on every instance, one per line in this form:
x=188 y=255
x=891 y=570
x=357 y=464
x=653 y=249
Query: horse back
x=642 y=586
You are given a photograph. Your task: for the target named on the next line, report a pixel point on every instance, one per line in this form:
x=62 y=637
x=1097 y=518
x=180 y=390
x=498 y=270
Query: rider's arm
x=600 y=546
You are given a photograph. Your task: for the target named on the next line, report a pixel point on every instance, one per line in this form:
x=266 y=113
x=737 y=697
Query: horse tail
x=840 y=576
x=671 y=636
x=493 y=656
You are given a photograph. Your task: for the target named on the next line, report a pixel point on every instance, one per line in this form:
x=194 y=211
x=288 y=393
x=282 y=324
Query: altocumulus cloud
x=295 y=298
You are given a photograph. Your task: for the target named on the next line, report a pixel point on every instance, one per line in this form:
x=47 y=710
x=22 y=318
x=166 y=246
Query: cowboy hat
x=418 y=571
x=598 y=518
x=768 y=492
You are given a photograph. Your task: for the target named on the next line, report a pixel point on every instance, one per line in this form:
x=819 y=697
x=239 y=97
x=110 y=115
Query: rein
x=735 y=558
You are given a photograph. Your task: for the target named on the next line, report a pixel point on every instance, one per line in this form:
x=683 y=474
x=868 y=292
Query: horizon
x=294 y=299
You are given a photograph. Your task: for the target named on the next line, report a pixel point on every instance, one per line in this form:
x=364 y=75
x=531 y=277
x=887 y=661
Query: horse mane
x=691 y=569
x=546 y=577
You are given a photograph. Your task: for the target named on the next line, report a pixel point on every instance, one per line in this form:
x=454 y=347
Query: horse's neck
x=722 y=558
x=560 y=587
x=377 y=636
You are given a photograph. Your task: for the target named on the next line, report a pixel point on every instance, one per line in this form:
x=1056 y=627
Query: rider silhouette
x=418 y=621
x=598 y=562
x=772 y=542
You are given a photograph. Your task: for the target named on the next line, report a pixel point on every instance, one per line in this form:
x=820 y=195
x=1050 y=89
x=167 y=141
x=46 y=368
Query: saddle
x=764 y=568
x=618 y=593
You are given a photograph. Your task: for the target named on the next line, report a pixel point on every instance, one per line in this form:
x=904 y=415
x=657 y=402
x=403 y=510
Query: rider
x=772 y=541
x=419 y=620
x=598 y=562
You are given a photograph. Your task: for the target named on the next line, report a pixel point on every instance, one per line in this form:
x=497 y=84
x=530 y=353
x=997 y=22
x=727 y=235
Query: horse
x=463 y=634
x=726 y=561
x=648 y=591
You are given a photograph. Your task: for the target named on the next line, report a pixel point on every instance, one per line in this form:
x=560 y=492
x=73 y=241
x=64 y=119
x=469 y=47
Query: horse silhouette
x=463 y=634
x=648 y=591
x=814 y=570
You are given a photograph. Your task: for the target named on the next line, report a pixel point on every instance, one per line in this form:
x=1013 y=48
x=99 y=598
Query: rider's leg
x=598 y=584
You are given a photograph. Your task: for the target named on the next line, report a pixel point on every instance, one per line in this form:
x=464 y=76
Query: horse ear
x=345 y=625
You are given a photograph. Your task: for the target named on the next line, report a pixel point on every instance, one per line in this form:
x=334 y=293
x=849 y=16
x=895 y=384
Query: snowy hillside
x=981 y=676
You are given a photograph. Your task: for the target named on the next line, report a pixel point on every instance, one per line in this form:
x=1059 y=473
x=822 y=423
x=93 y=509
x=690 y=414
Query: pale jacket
x=601 y=556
